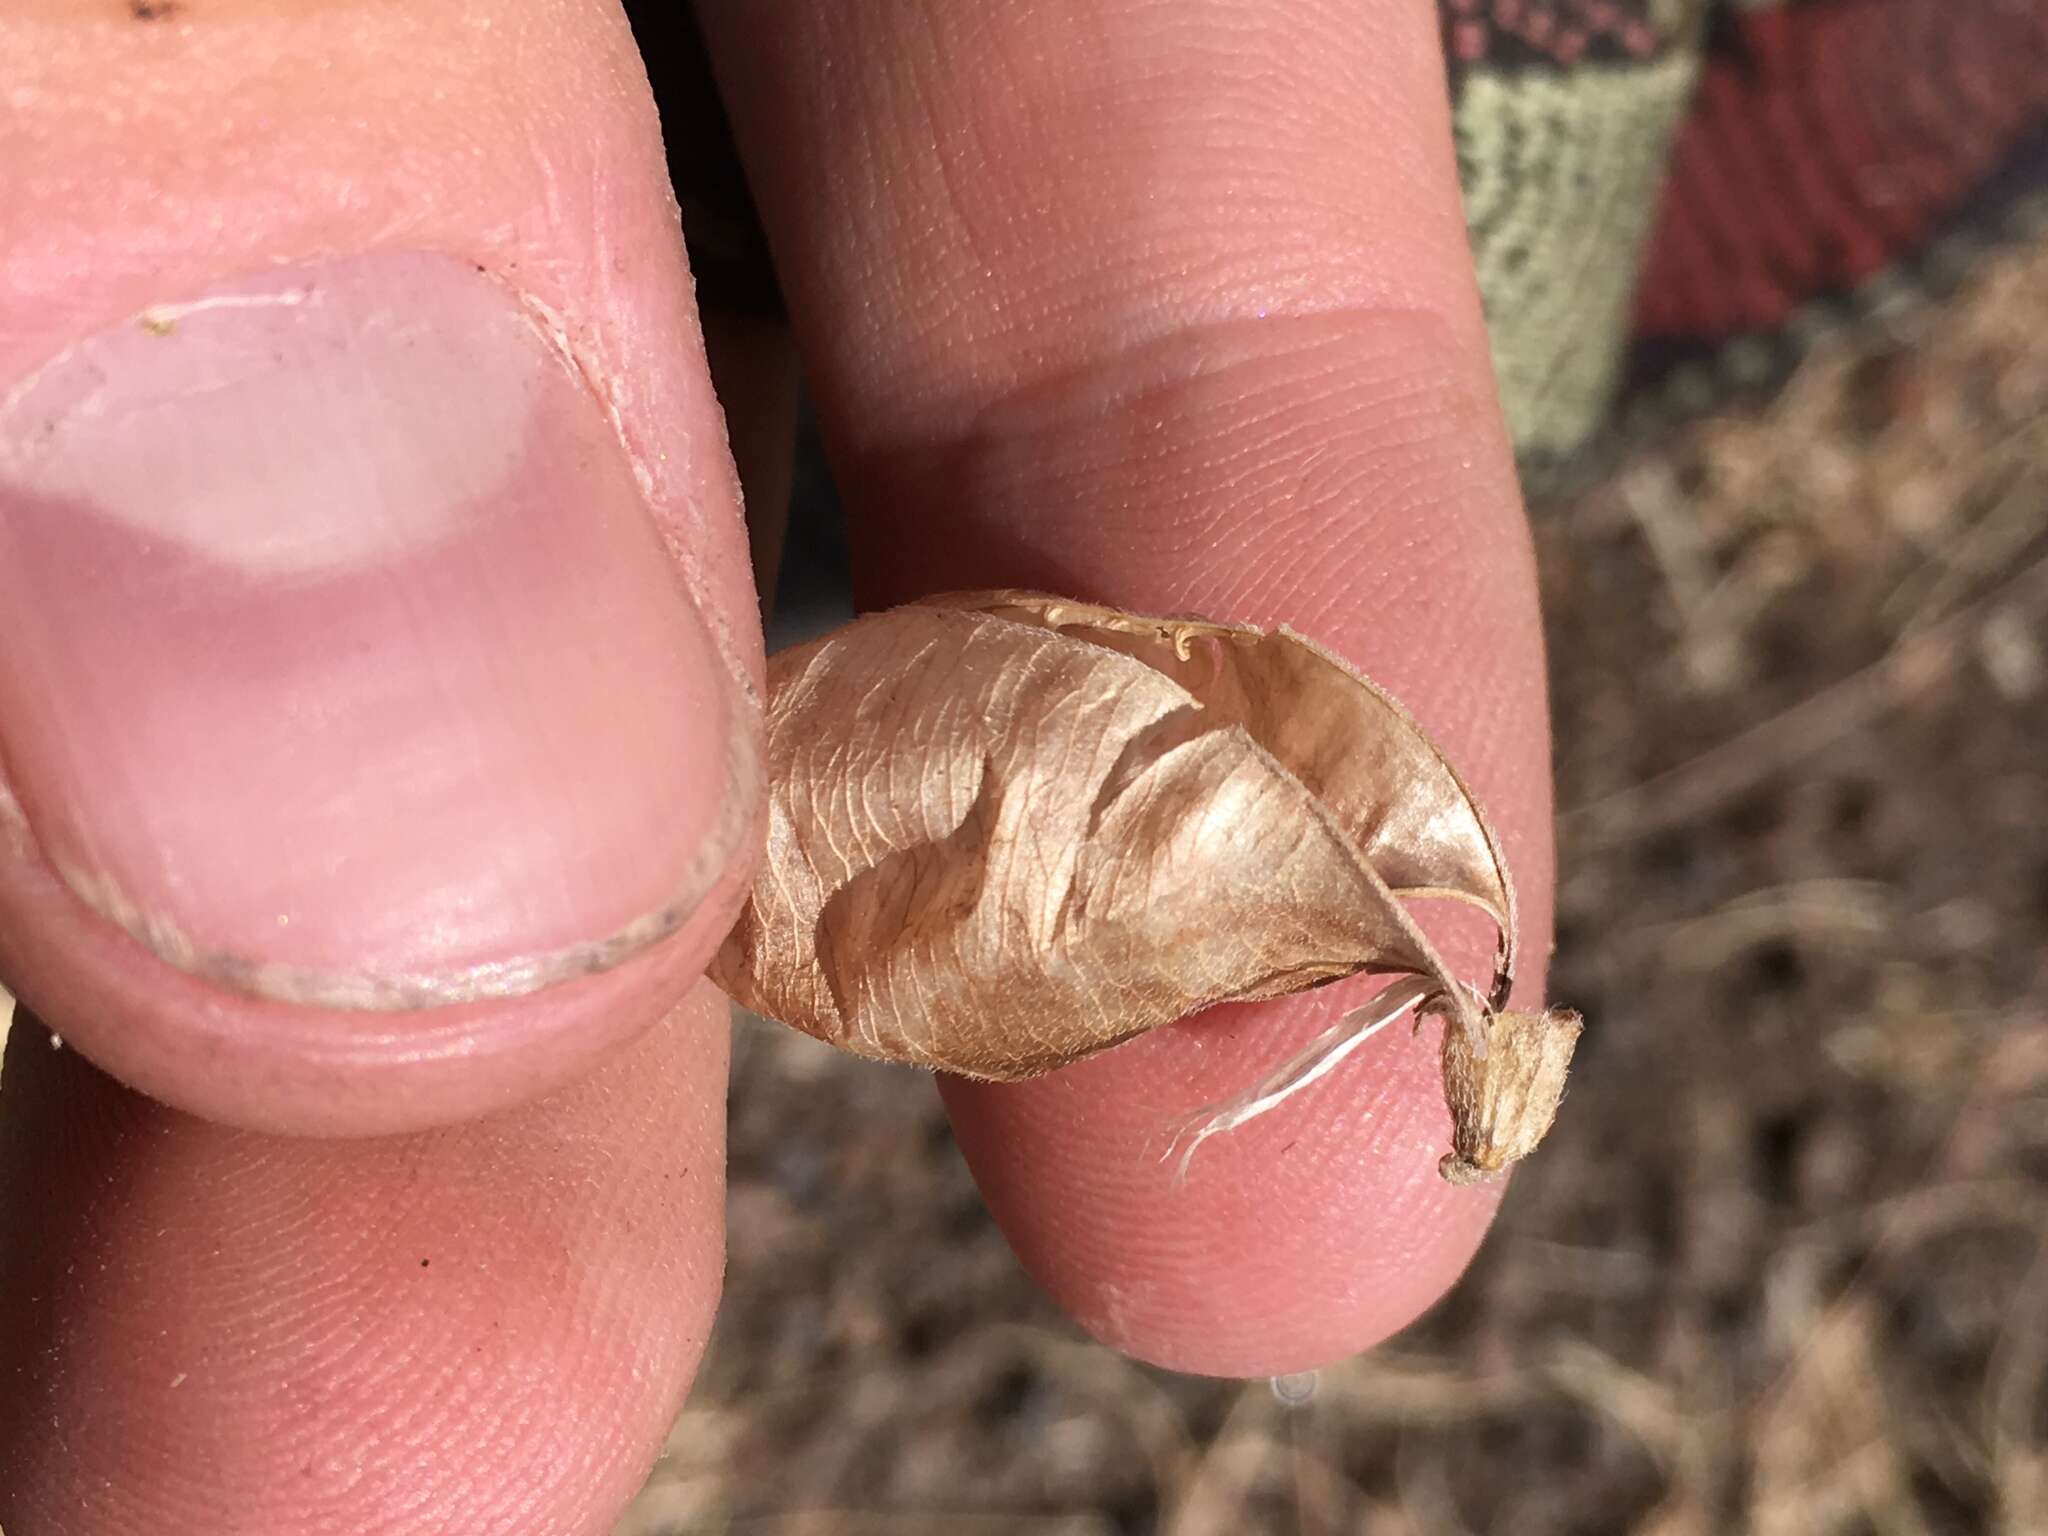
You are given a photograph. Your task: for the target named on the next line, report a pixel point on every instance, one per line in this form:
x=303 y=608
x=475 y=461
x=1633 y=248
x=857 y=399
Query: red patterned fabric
x=1808 y=163
x=1829 y=141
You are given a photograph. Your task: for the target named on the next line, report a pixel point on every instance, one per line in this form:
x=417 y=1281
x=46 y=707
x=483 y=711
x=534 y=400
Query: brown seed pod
x=1502 y=1104
x=1007 y=831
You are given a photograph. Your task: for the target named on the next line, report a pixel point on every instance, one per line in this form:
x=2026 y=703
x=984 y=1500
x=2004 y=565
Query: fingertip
x=1303 y=1237
x=378 y=653
x=1103 y=379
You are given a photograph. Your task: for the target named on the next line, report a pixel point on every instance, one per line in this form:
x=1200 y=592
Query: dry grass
x=1781 y=1269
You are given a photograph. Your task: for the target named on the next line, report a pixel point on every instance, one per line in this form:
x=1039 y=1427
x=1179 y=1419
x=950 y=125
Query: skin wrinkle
x=1235 y=513
x=1156 y=304
x=1396 y=469
x=1223 y=370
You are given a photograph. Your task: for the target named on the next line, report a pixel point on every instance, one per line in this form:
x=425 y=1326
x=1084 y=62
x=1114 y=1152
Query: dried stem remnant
x=1502 y=1105
x=1007 y=831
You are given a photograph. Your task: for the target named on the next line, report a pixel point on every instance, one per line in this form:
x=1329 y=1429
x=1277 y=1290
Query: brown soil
x=1780 y=1269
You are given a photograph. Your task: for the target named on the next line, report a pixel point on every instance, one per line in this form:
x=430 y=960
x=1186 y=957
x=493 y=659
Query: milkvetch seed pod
x=1006 y=831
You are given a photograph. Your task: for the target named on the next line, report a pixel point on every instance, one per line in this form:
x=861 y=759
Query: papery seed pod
x=1502 y=1105
x=1007 y=831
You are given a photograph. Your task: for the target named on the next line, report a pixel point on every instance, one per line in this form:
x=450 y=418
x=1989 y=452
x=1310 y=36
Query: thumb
x=368 y=757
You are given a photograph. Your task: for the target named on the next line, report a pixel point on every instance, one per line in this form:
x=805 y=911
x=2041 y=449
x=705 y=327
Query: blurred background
x=1780 y=1267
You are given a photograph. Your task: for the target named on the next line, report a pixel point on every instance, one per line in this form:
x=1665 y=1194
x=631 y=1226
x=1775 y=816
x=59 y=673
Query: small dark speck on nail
x=153 y=10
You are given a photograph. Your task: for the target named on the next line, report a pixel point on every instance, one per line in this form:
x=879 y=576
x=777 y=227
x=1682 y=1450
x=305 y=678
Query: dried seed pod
x=1008 y=830
x=1502 y=1106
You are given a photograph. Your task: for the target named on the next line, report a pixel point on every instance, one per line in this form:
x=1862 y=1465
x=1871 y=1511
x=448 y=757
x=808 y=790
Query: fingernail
x=340 y=659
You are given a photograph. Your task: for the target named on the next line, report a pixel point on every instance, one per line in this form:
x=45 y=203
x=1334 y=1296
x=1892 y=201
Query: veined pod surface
x=1007 y=831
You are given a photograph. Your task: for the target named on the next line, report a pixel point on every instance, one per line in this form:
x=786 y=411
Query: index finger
x=1171 y=306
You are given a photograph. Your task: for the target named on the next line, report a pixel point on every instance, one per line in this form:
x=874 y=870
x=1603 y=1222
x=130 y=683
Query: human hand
x=357 y=654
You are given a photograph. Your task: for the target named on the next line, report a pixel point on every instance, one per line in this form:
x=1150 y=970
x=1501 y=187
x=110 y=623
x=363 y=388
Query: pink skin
x=266 y=1335
x=102 y=225
x=1165 y=305
x=342 y=665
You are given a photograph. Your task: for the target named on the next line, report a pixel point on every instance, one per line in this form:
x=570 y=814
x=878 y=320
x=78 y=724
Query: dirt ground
x=1780 y=1269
